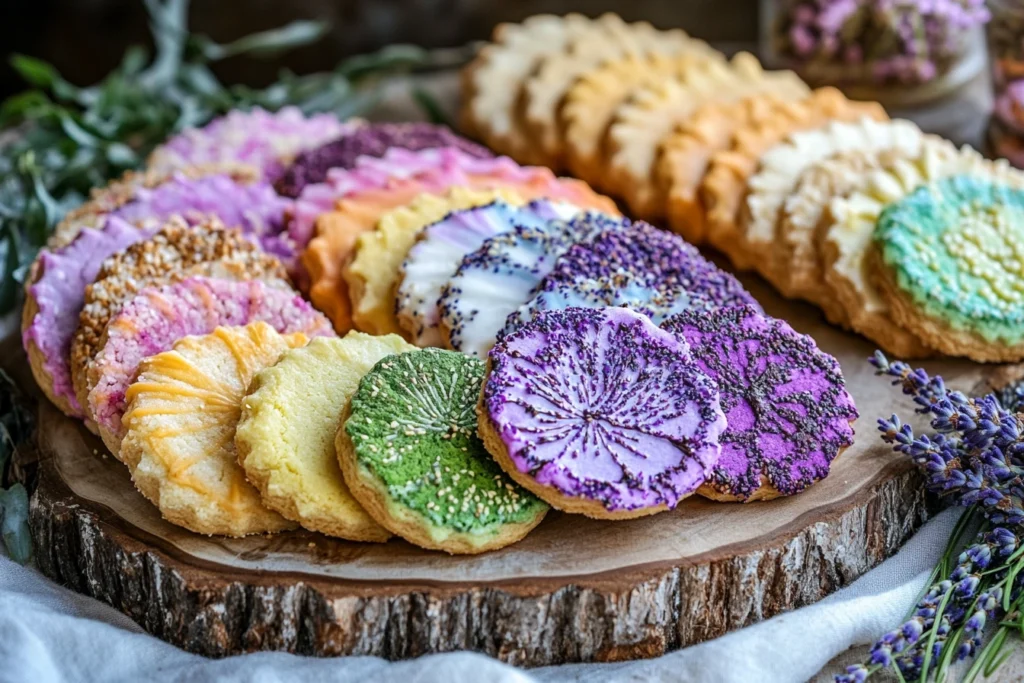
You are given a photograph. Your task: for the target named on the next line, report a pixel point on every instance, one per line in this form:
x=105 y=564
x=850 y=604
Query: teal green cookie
x=417 y=463
x=955 y=249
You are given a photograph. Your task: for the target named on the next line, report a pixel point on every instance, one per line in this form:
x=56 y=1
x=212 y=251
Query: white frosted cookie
x=179 y=442
x=285 y=437
x=373 y=274
x=650 y=115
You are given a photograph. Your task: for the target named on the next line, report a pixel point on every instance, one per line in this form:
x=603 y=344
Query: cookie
x=779 y=170
x=845 y=238
x=158 y=317
x=650 y=115
x=659 y=259
x=285 y=437
x=179 y=430
x=373 y=273
x=503 y=274
x=176 y=252
x=788 y=413
x=599 y=412
x=258 y=138
x=544 y=90
x=369 y=140
x=724 y=187
x=439 y=250
x=947 y=259
x=411 y=455
x=619 y=289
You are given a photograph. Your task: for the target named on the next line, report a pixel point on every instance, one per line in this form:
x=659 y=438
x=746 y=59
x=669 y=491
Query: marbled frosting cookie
x=643 y=121
x=373 y=274
x=439 y=250
x=503 y=274
x=788 y=413
x=947 y=259
x=369 y=140
x=411 y=455
x=179 y=430
x=285 y=437
x=158 y=317
x=258 y=138
x=176 y=252
x=601 y=413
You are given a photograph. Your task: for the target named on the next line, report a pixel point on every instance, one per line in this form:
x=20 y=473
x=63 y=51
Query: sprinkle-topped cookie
x=441 y=247
x=949 y=263
x=410 y=453
x=370 y=140
x=600 y=412
x=785 y=402
x=504 y=273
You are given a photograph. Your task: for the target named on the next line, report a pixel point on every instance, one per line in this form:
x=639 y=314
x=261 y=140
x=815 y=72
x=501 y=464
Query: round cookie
x=158 y=317
x=180 y=424
x=439 y=249
x=659 y=259
x=788 y=413
x=174 y=253
x=373 y=273
x=619 y=289
x=369 y=140
x=505 y=273
x=947 y=258
x=724 y=187
x=410 y=453
x=285 y=440
x=599 y=412
x=261 y=139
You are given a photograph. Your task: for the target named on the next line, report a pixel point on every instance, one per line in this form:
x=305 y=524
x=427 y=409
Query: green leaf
x=391 y=59
x=14 y=523
x=37 y=72
x=429 y=104
x=268 y=43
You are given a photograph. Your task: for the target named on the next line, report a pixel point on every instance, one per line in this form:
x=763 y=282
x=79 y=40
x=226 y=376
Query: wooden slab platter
x=574 y=590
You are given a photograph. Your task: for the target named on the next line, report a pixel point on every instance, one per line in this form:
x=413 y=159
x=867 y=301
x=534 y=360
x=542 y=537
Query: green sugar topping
x=413 y=426
x=956 y=248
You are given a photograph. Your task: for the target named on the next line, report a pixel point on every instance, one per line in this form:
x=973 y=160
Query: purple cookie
x=159 y=316
x=371 y=140
x=658 y=258
x=785 y=401
x=599 y=411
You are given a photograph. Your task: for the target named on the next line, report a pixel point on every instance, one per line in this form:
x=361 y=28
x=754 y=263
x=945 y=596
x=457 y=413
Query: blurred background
x=84 y=39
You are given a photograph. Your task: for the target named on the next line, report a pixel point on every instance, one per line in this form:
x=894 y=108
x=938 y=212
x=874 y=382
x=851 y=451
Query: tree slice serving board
x=574 y=590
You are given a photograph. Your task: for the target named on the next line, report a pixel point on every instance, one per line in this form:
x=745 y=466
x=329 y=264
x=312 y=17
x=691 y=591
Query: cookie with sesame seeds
x=410 y=453
x=176 y=252
x=180 y=421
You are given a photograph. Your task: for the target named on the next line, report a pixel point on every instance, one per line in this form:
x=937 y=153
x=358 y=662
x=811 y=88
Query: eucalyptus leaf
x=268 y=43
x=14 y=523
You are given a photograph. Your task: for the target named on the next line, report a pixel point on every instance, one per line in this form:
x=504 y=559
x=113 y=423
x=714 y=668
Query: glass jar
x=1006 y=54
x=899 y=52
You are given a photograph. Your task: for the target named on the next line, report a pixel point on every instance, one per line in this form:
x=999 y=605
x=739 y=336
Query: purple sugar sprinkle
x=785 y=401
x=600 y=403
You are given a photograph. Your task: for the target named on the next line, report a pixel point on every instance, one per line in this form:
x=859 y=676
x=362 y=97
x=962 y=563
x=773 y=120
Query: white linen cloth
x=49 y=634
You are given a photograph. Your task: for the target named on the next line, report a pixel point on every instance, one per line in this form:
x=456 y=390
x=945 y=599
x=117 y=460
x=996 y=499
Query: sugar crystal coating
x=785 y=401
x=601 y=404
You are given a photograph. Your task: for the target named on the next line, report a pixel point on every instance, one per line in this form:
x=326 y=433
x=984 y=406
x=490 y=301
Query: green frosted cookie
x=410 y=454
x=949 y=258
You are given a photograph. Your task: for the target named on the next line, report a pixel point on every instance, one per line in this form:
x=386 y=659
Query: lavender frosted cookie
x=659 y=259
x=600 y=412
x=788 y=411
x=440 y=247
x=157 y=317
x=370 y=140
x=267 y=141
x=504 y=273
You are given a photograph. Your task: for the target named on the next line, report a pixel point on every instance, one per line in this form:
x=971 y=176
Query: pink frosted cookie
x=157 y=317
x=788 y=412
x=267 y=141
x=598 y=411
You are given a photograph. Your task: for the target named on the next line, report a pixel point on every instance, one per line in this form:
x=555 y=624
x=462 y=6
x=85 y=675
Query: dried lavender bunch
x=975 y=458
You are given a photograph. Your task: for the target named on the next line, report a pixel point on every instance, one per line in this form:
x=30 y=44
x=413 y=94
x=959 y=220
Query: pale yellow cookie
x=285 y=437
x=373 y=273
x=180 y=430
